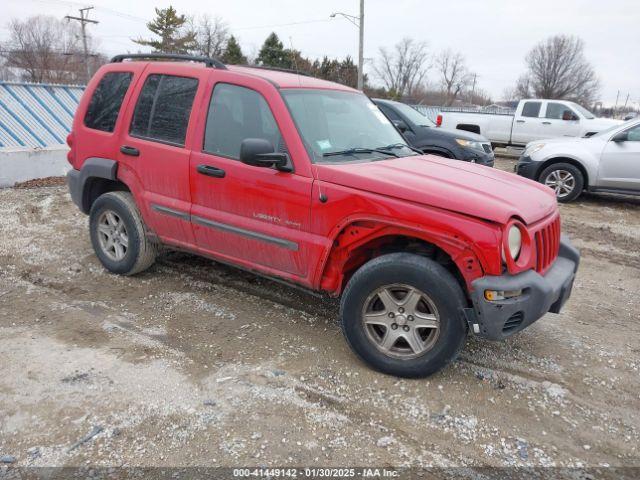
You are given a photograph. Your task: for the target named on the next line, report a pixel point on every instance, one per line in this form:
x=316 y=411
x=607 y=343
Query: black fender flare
x=78 y=180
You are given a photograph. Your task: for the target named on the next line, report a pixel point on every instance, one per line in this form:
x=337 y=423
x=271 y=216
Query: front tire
x=118 y=234
x=401 y=314
x=565 y=179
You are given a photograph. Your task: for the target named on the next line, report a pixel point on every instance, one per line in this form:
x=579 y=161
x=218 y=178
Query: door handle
x=546 y=123
x=211 y=171
x=519 y=121
x=127 y=150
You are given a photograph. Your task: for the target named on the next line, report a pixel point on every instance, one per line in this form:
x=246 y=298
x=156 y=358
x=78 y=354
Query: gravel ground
x=197 y=364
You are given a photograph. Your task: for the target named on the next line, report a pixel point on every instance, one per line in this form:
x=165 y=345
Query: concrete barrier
x=21 y=164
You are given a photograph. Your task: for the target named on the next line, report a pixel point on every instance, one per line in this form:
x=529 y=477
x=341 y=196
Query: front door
x=620 y=162
x=253 y=216
x=559 y=121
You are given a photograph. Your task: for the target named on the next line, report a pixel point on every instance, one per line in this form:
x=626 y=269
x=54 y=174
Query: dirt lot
x=194 y=363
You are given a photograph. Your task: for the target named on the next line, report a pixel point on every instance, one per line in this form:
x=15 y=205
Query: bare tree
x=557 y=68
x=211 y=34
x=45 y=49
x=454 y=75
x=404 y=68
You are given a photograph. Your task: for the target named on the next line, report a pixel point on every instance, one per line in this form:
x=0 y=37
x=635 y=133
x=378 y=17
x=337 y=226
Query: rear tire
x=565 y=179
x=385 y=329
x=118 y=234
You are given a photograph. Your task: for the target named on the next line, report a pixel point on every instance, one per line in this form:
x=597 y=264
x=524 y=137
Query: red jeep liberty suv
x=306 y=181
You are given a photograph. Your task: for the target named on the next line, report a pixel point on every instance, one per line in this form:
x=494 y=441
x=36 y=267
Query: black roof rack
x=209 y=62
x=277 y=69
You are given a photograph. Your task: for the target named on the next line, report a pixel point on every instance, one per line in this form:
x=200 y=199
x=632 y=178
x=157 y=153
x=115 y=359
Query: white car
x=534 y=119
x=608 y=161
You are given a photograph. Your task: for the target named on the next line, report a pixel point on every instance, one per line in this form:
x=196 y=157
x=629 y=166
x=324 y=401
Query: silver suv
x=608 y=161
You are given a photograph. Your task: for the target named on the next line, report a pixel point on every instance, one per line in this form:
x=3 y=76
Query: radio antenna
x=322 y=197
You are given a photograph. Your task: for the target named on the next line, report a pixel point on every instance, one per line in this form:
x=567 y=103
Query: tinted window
x=531 y=109
x=163 y=108
x=236 y=113
x=106 y=101
x=556 y=110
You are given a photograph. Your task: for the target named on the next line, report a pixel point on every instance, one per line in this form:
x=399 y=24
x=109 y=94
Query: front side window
x=555 y=111
x=531 y=109
x=334 y=123
x=633 y=134
x=106 y=101
x=237 y=113
x=163 y=109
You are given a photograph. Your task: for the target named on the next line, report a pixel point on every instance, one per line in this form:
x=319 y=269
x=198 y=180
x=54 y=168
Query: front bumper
x=497 y=320
x=527 y=168
x=475 y=156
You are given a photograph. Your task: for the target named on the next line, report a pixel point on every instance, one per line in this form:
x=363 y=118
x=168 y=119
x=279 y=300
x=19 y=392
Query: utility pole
x=358 y=22
x=84 y=19
x=473 y=89
x=361 y=48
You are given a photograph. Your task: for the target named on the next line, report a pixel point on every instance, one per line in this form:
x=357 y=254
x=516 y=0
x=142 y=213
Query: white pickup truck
x=534 y=119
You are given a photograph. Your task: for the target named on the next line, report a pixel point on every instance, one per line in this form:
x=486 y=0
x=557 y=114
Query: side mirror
x=620 y=137
x=259 y=152
x=569 y=115
x=400 y=125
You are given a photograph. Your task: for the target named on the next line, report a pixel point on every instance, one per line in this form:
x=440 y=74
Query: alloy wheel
x=401 y=321
x=562 y=182
x=112 y=235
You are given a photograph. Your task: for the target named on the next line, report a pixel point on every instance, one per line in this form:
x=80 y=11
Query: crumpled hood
x=481 y=192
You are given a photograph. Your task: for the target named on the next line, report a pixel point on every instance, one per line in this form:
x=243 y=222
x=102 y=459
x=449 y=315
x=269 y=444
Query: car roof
x=286 y=79
x=279 y=78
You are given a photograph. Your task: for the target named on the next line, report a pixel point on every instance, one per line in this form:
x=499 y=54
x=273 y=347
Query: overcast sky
x=494 y=35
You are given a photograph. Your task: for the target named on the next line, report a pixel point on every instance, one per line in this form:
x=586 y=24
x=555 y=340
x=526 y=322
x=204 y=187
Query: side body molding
x=92 y=168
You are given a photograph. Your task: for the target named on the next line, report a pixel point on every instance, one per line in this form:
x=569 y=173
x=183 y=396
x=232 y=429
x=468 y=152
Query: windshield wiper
x=393 y=146
x=354 y=151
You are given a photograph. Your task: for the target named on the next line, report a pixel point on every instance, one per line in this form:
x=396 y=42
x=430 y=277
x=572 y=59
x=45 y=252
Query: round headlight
x=515 y=241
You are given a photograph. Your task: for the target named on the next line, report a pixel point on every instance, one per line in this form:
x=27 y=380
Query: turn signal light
x=497 y=295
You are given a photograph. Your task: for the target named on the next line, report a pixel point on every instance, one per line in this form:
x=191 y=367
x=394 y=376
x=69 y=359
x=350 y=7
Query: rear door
x=620 y=163
x=252 y=216
x=526 y=123
x=559 y=121
x=155 y=149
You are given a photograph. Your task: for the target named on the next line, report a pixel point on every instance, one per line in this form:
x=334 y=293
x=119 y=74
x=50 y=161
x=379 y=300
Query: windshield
x=331 y=122
x=413 y=115
x=583 y=111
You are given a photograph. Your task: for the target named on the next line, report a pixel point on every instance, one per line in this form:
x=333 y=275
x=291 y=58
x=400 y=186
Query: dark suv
x=422 y=134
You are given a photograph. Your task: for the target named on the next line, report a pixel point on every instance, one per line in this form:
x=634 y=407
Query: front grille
x=487 y=147
x=513 y=322
x=547 y=245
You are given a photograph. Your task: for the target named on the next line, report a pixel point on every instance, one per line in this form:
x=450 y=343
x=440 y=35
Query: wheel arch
x=97 y=177
x=359 y=241
x=572 y=161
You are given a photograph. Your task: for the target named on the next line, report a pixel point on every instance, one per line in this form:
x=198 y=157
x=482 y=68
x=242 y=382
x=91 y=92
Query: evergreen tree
x=233 y=53
x=273 y=53
x=170 y=27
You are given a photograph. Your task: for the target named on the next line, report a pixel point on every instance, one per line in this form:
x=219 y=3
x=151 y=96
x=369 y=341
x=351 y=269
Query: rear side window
x=163 y=108
x=236 y=113
x=531 y=109
x=106 y=101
